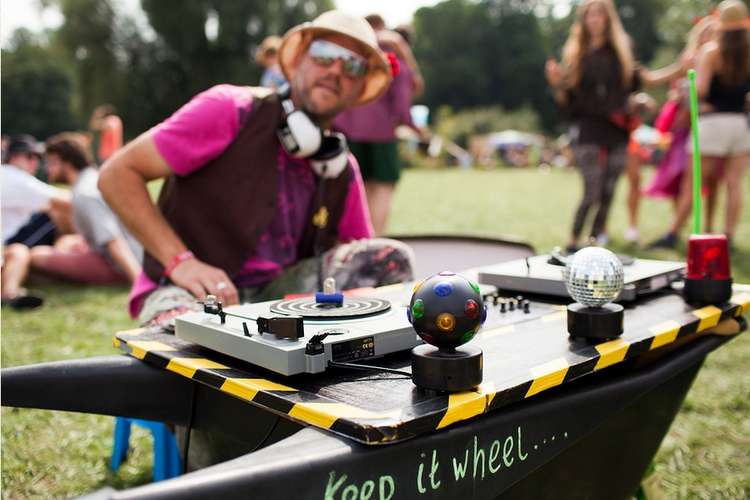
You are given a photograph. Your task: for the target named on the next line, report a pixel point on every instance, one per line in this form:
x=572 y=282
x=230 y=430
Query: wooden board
x=521 y=360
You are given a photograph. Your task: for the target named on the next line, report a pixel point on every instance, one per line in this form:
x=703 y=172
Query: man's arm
x=654 y=77
x=122 y=182
x=61 y=212
x=123 y=257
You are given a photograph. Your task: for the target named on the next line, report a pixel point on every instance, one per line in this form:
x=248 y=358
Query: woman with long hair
x=594 y=83
x=723 y=84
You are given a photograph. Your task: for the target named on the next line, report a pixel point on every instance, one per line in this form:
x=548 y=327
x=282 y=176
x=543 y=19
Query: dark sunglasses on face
x=325 y=53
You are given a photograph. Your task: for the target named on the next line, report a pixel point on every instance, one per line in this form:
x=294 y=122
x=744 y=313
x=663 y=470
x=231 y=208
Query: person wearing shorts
x=723 y=84
x=28 y=208
x=371 y=131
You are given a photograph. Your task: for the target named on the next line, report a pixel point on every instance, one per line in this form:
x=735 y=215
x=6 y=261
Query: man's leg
x=380 y=199
x=359 y=264
x=164 y=303
x=16 y=261
x=380 y=183
x=39 y=230
x=370 y=263
x=71 y=243
x=81 y=265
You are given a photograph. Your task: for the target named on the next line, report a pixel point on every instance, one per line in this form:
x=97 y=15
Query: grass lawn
x=705 y=455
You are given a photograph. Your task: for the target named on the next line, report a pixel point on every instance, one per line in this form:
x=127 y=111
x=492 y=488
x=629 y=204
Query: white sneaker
x=631 y=235
x=602 y=240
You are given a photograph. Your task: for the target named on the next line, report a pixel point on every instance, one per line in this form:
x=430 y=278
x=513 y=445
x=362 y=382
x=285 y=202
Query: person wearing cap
x=267 y=55
x=260 y=198
x=28 y=209
x=723 y=85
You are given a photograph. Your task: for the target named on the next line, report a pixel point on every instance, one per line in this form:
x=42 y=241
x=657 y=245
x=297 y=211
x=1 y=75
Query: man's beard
x=316 y=116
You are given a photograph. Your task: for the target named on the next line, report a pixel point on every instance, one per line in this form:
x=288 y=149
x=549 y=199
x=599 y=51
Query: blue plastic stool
x=166 y=455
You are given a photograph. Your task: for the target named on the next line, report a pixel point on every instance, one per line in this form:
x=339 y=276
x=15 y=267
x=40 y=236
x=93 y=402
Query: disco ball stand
x=594 y=278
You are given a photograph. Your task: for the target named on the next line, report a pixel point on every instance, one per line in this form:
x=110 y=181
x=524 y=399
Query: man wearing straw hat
x=260 y=198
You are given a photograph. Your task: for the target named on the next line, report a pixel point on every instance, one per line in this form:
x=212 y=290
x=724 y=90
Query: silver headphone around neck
x=302 y=138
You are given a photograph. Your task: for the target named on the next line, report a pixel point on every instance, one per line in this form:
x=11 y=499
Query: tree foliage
x=473 y=53
x=482 y=54
x=37 y=90
x=99 y=55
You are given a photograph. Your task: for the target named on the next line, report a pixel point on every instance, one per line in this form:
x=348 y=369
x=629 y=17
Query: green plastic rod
x=696 y=153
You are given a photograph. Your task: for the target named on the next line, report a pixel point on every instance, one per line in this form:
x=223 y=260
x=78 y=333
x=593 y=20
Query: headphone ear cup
x=333 y=156
x=305 y=135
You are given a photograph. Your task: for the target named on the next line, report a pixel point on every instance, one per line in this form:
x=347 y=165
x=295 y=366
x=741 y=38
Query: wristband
x=176 y=261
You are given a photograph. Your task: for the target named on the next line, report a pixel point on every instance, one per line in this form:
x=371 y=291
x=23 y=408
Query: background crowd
x=73 y=235
x=478 y=66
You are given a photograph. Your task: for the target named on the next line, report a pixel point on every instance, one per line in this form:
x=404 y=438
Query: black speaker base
x=703 y=292
x=603 y=322
x=443 y=370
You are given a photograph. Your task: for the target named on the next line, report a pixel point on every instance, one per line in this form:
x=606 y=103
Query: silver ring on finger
x=221 y=285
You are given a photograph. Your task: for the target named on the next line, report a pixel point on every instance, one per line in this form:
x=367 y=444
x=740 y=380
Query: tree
x=37 y=90
x=87 y=39
x=640 y=19
x=481 y=54
x=148 y=78
x=190 y=61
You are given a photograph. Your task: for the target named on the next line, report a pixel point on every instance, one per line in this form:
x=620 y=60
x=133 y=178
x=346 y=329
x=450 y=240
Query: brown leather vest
x=220 y=210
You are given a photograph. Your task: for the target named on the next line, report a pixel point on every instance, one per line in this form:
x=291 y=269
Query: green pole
x=696 y=153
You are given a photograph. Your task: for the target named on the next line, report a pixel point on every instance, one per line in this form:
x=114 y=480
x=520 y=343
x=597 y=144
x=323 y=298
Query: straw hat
x=733 y=15
x=336 y=22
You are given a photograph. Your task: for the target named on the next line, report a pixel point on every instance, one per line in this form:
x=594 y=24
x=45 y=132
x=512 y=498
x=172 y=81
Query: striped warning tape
x=435 y=411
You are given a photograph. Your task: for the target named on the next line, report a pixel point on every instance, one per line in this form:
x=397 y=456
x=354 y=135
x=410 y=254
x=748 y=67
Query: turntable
x=301 y=335
x=305 y=335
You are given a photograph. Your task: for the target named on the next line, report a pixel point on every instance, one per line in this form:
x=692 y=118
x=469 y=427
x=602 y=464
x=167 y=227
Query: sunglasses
x=324 y=53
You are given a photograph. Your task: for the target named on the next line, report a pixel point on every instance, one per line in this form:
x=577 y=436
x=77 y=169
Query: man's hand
x=201 y=279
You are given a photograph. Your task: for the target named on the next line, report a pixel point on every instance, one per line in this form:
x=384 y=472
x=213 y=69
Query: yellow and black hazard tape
x=435 y=412
x=190 y=361
x=560 y=370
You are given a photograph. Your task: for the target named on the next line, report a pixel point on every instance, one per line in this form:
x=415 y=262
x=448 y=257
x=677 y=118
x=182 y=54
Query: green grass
x=705 y=455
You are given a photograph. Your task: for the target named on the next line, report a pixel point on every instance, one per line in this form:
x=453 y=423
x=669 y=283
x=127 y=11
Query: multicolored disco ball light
x=446 y=310
x=594 y=276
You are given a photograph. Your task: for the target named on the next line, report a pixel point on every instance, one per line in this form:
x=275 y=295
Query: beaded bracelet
x=176 y=261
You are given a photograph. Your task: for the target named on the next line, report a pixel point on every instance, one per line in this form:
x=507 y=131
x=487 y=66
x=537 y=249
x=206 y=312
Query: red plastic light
x=708 y=257
x=471 y=309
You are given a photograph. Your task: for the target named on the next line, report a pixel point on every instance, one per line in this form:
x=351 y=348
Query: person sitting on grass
x=32 y=212
x=260 y=198
x=102 y=251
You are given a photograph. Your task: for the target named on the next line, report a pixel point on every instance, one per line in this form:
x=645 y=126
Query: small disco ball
x=446 y=310
x=593 y=276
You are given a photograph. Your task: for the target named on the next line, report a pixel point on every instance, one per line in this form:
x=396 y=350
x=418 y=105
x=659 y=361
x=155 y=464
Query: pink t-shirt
x=201 y=131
